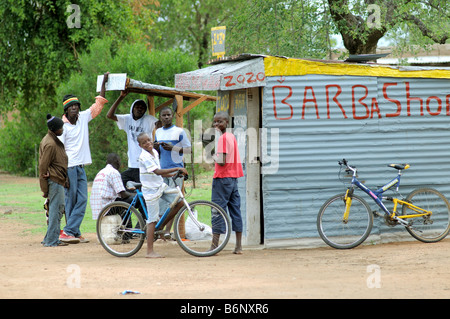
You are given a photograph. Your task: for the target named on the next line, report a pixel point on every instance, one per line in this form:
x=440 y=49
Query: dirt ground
x=85 y=271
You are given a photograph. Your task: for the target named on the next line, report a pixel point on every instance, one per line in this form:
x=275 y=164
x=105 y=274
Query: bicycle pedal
x=167 y=236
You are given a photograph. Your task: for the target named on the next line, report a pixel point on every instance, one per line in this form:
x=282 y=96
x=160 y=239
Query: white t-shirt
x=133 y=128
x=152 y=184
x=76 y=140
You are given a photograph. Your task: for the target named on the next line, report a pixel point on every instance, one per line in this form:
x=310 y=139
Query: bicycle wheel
x=431 y=228
x=207 y=220
x=121 y=231
x=344 y=235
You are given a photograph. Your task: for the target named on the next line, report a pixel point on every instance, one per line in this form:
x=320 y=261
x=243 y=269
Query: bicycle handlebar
x=133 y=185
x=178 y=174
x=344 y=162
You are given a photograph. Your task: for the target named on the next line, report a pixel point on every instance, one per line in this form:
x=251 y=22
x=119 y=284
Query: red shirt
x=233 y=167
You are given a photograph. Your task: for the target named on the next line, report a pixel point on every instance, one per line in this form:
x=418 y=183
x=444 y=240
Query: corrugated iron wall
x=369 y=121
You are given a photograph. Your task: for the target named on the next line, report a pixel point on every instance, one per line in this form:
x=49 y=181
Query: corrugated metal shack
x=295 y=118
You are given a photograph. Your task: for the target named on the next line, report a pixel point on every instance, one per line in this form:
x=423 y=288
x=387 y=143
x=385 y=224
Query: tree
x=295 y=28
x=186 y=25
x=362 y=23
x=40 y=42
x=40 y=45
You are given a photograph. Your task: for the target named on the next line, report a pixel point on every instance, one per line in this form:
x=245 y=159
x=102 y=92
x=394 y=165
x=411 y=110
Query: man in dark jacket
x=53 y=178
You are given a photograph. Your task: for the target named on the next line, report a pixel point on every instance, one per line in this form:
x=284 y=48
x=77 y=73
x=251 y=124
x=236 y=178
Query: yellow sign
x=218 y=41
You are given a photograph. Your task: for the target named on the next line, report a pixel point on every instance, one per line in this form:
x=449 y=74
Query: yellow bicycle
x=345 y=220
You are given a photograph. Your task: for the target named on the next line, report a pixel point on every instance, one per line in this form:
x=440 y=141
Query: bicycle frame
x=140 y=196
x=378 y=198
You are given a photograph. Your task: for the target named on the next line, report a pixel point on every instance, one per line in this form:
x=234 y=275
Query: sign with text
x=218 y=41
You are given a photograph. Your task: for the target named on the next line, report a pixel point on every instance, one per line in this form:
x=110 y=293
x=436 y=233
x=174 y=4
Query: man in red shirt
x=228 y=168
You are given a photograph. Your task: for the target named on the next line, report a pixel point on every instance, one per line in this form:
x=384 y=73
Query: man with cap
x=76 y=142
x=133 y=124
x=53 y=178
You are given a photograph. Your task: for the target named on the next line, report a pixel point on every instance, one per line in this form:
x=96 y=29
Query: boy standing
x=172 y=141
x=153 y=187
x=227 y=170
x=53 y=178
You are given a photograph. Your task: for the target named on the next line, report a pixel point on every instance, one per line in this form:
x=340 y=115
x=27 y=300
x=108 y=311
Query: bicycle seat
x=399 y=166
x=133 y=185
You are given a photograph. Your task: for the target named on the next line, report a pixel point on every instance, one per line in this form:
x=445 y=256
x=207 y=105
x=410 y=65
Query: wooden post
x=151 y=104
x=179 y=123
x=179 y=112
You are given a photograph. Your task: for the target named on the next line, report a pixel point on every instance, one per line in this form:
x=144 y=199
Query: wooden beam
x=193 y=104
x=167 y=103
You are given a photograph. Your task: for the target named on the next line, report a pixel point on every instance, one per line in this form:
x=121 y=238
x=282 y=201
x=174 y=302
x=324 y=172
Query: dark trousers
x=225 y=194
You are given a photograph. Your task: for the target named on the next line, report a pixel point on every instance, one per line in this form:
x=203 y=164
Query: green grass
x=21 y=202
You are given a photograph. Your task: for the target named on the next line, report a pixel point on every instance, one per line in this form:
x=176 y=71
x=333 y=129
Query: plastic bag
x=194 y=233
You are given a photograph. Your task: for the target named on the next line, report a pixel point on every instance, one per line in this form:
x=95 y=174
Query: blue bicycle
x=345 y=220
x=121 y=228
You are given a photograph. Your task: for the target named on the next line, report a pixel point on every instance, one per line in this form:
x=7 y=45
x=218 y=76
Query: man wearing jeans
x=53 y=178
x=76 y=142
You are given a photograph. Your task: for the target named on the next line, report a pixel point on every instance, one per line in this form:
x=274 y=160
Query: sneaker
x=68 y=239
x=82 y=239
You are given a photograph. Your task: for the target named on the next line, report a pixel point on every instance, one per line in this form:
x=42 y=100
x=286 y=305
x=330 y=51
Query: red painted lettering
x=409 y=99
x=251 y=77
x=447 y=102
x=305 y=100
x=240 y=79
x=261 y=76
x=375 y=108
x=396 y=102
x=229 y=78
x=360 y=102
x=339 y=91
x=283 y=102
x=439 y=105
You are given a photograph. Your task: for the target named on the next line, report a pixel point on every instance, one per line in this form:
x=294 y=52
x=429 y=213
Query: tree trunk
x=358 y=36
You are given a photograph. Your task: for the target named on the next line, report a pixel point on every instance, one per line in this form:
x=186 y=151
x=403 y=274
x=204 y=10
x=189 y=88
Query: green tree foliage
x=295 y=28
x=186 y=24
x=39 y=43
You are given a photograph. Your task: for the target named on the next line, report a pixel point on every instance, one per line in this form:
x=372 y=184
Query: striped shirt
x=105 y=189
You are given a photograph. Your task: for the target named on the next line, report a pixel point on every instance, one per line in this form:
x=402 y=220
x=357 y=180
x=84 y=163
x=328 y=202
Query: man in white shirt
x=107 y=186
x=76 y=143
x=133 y=124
